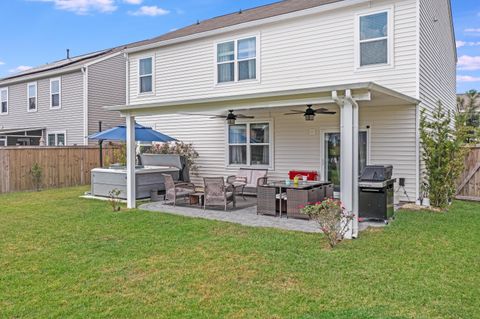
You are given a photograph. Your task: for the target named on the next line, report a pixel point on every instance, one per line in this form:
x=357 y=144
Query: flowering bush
x=179 y=148
x=332 y=218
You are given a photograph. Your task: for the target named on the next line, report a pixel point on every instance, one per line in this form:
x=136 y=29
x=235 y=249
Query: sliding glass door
x=332 y=156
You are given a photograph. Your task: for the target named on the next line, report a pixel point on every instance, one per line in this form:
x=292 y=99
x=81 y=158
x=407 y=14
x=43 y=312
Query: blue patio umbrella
x=142 y=134
x=119 y=133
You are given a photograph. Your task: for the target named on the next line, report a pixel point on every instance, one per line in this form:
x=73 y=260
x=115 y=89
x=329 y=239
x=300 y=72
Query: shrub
x=332 y=217
x=444 y=151
x=114 y=199
x=37 y=173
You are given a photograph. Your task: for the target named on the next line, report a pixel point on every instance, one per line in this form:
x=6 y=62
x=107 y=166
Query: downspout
x=127 y=78
x=85 y=105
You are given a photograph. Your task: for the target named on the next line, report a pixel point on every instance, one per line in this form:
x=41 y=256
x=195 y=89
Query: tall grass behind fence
x=61 y=166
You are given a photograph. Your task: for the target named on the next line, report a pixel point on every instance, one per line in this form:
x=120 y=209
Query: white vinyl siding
x=310 y=51
x=437 y=59
x=55 y=93
x=4 y=101
x=297 y=144
x=32 y=99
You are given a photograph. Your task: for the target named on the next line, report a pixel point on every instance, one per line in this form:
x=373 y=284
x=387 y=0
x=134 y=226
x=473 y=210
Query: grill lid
x=376 y=173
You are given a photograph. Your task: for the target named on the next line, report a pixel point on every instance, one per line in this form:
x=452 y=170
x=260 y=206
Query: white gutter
x=291 y=15
x=40 y=74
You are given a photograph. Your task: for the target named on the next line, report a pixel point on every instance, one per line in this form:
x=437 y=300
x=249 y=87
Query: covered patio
x=348 y=99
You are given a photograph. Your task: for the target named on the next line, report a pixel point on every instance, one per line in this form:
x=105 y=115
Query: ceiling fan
x=231 y=117
x=310 y=113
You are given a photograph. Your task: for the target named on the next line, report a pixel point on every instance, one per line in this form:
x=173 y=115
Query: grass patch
x=61 y=256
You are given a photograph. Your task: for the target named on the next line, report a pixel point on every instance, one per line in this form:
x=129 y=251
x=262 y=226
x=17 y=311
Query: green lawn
x=65 y=257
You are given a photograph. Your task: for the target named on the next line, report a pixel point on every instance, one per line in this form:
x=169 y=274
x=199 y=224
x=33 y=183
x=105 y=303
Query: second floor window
x=4 y=101
x=237 y=60
x=32 y=97
x=55 y=89
x=374 y=39
x=146 y=75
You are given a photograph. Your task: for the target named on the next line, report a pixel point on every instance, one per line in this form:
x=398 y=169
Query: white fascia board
x=291 y=15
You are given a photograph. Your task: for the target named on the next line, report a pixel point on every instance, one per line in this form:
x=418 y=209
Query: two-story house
x=61 y=103
x=375 y=64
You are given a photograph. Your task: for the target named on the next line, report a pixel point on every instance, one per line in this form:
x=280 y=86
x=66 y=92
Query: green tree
x=443 y=154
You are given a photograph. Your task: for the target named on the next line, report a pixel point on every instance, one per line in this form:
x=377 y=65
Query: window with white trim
x=374 y=39
x=55 y=93
x=32 y=96
x=249 y=144
x=145 y=74
x=237 y=60
x=56 y=138
x=4 y=101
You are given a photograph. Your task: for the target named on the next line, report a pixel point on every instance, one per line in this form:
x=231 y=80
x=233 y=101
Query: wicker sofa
x=252 y=179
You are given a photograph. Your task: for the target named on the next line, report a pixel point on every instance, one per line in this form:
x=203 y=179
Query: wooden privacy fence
x=469 y=187
x=61 y=166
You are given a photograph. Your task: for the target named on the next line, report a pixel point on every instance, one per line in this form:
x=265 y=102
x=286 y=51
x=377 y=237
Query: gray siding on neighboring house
x=437 y=56
x=69 y=118
x=106 y=87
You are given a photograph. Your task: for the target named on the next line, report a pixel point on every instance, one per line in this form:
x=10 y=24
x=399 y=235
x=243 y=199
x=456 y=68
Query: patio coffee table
x=197 y=198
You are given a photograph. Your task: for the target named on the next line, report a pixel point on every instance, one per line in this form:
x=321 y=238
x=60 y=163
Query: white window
x=249 y=144
x=56 y=138
x=374 y=39
x=237 y=60
x=4 y=101
x=32 y=97
x=3 y=141
x=55 y=93
x=145 y=72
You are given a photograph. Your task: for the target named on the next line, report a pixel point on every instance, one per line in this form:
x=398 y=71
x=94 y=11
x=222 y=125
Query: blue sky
x=35 y=32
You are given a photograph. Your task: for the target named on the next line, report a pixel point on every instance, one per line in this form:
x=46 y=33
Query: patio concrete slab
x=245 y=214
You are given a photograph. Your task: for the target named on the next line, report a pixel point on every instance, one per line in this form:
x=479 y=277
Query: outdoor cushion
x=256 y=174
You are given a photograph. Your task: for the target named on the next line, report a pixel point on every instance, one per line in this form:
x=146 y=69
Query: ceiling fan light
x=309 y=117
x=231 y=121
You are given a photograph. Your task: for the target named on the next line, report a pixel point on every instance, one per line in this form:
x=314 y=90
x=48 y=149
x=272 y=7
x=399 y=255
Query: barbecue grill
x=376 y=194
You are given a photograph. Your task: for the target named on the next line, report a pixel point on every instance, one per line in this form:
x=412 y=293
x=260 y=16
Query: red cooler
x=311 y=175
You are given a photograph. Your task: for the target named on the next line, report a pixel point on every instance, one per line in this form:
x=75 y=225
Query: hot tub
x=147 y=178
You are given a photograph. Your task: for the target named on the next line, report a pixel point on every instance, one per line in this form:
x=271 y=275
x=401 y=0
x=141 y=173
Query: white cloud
x=133 y=1
x=467 y=78
x=467 y=44
x=2 y=63
x=468 y=63
x=20 y=68
x=83 y=6
x=151 y=11
x=473 y=30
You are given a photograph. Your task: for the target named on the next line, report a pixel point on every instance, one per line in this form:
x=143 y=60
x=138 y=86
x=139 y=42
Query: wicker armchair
x=217 y=192
x=175 y=190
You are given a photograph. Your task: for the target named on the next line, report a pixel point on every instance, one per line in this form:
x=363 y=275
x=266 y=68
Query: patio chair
x=175 y=190
x=248 y=180
x=217 y=192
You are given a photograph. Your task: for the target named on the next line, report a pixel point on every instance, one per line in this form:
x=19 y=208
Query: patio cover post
x=349 y=158
x=131 y=152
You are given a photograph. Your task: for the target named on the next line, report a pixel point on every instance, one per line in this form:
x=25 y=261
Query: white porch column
x=349 y=159
x=131 y=153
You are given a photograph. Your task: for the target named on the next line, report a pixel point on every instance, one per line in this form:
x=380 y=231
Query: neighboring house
x=61 y=103
x=375 y=63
